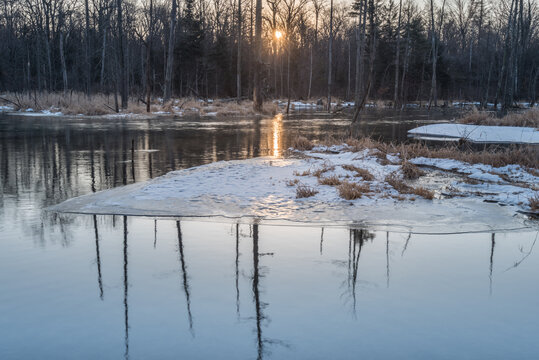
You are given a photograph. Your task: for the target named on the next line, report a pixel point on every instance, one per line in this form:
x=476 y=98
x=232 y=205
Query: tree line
x=395 y=50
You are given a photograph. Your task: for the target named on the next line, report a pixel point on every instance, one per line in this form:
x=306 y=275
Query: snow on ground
x=265 y=188
x=5 y=108
x=478 y=133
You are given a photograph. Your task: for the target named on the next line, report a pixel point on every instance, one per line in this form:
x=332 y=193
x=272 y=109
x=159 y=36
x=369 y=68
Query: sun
x=278 y=34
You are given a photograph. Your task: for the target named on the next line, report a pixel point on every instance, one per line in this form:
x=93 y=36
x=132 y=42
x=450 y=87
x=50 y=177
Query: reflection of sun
x=278 y=34
x=277 y=134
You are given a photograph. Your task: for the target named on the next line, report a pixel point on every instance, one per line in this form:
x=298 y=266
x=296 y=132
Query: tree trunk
x=87 y=50
x=433 y=93
x=238 y=64
x=397 y=58
x=149 y=61
x=63 y=62
x=121 y=53
x=257 y=89
x=170 y=56
x=330 y=54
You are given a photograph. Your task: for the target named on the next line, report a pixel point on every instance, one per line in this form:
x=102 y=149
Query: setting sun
x=278 y=34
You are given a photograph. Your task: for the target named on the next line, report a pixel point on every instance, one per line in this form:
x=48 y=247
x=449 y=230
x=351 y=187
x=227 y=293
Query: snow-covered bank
x=268 y=188
x=477 y=133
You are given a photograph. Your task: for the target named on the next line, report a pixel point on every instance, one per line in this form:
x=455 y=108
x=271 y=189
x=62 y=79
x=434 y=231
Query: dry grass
x=496 y=156
x=74 y=103
x=533 y=202
x=303 y=191
x=411 y=171
x=293 y=182
x=399 y=185
x=528 y=118
x=305 y=173
x=324 y=169
x=351 y=191
x=302 y=143
x=423 y=192
x=330 y=180
x=360 y=172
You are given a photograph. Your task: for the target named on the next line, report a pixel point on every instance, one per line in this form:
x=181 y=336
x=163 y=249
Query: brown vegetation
x=360 y=172
x=399 y=185
x=351 y=191
x=533 y=202
x=303 y=191
x=331 y=180
x=302 y=143
x=305 y=173
x=325 y=168
x=529 y=118
x=74 y=103
x=411 y=171
x=293 y=182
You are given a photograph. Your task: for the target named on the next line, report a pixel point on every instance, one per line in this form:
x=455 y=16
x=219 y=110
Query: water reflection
x=185 y=278
x=126 y=289
x=333 y=291
x=277 y=124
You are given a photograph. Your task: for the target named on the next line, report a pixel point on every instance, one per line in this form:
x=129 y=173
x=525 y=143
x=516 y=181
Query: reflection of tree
x=256 y=293
x=526 y=254
x=261 y=341
x=492 y=244
x=126 y=286
x=98 y=258
x=406 y=244
x=358 y=237
x=321 y=241
x=237 y=263
x=184 y=277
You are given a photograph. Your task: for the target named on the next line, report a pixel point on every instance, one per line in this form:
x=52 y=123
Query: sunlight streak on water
x=277 y=124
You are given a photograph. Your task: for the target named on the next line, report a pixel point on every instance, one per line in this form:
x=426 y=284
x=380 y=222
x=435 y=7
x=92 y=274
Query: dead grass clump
x=305 y=173
x=411 y=171
x=533 y=202
x=528 y=118
x=360 y=172
x=302 y=143
x=322 y=170
x=270 y=108
x=423 y=192
x=399 y=185
x=293 y=182
x=303 y=191
x=331 y=181
x=527 y=156
x=476 y=117
x=351 y=191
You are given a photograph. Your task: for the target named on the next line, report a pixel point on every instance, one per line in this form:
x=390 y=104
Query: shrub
x=351 y=191
x=331 y=180
x=364 y=173
x=302 y=143
x=303 y=191
x=411 y=171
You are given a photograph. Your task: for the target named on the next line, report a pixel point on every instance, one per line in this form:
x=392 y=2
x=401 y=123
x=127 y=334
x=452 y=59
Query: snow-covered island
x=338 y=184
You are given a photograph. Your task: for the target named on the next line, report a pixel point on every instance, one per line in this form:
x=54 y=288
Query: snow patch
x=478 y=133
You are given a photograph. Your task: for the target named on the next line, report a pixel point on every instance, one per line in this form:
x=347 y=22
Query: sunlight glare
x=277 y=133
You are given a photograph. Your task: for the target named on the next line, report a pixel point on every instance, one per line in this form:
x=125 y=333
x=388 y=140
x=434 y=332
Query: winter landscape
x=273 y=179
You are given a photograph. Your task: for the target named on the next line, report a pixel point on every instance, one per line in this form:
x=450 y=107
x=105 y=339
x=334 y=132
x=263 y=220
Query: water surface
x=83 y=286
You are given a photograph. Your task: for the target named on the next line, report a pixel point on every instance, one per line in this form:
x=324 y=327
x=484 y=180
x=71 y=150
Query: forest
x=398 y=51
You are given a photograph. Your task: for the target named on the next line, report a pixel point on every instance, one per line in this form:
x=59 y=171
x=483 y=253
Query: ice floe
x=478 y=133
x=265 y=189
